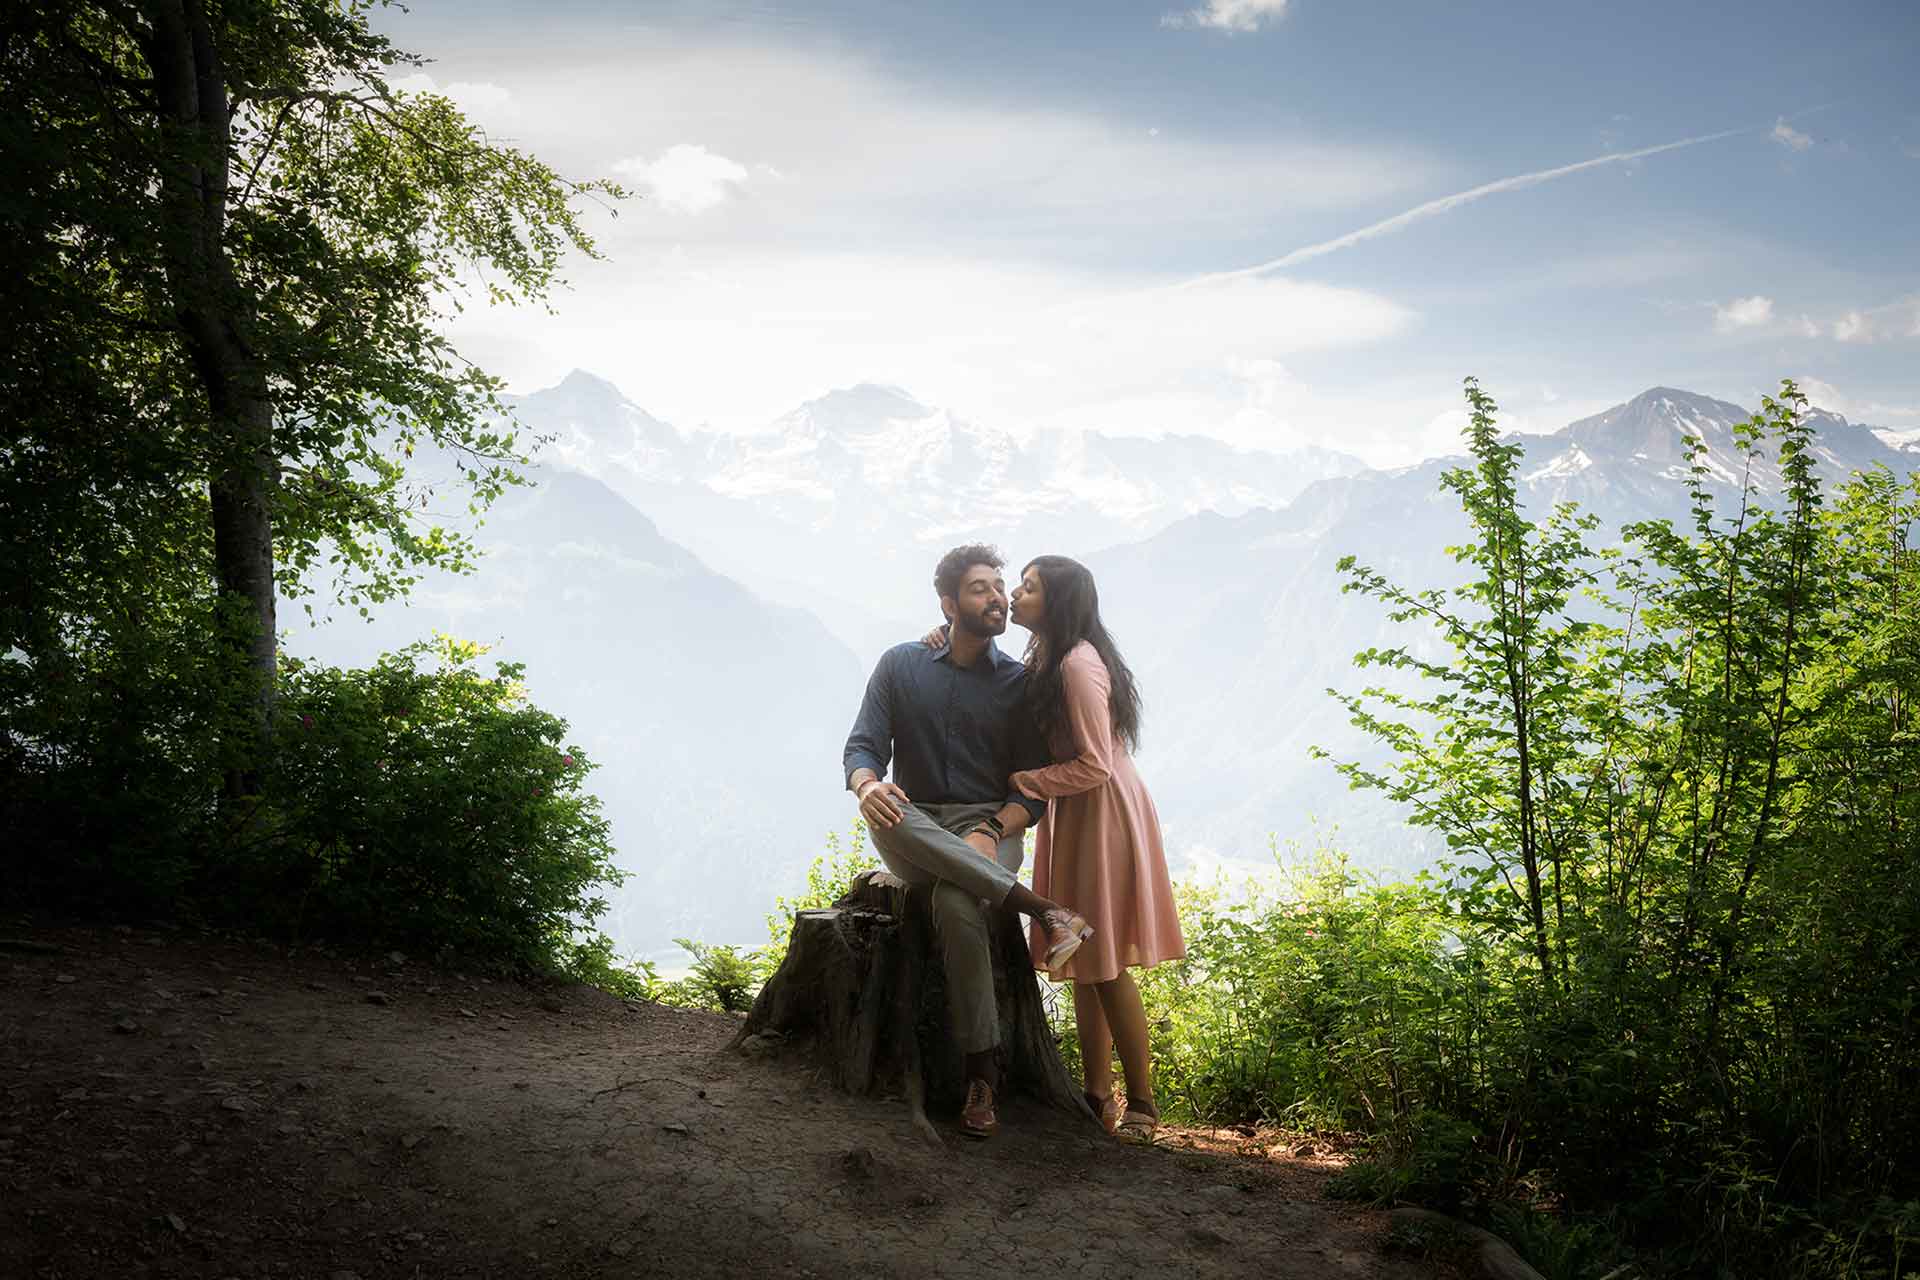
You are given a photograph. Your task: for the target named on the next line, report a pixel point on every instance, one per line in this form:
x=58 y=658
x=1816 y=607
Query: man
x=951 y=721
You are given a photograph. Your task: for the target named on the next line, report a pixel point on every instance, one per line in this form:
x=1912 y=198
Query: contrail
x=1432 y=207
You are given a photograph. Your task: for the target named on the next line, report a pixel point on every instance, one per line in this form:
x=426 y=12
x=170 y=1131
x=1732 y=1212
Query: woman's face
x=1029 y=600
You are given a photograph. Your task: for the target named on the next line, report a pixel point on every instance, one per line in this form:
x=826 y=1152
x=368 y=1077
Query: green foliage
x=722 y=978
x=1675 y=775
x=431 y=807
x=418 y=803
x=827 y=881
x=1321 y=1000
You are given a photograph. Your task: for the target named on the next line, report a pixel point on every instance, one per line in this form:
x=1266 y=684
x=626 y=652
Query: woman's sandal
x=1107 y=1110
x=1137 y=1126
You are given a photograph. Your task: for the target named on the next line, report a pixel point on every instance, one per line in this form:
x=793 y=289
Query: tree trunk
x=213 y=310
x=862 y=989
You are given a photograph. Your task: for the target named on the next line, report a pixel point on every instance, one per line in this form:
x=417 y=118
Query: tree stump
x=862 y=986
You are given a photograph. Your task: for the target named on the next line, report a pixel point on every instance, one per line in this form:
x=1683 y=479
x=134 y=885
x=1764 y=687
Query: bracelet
x=998 y=836
x=860 y=792
x=999 y=828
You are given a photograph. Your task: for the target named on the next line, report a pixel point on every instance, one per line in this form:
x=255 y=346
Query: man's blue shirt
x=955 y=734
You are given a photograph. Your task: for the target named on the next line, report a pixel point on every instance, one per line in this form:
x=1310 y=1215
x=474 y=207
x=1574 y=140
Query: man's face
x=980 y=608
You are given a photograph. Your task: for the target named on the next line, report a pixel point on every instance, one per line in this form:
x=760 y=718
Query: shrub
x=428 y=807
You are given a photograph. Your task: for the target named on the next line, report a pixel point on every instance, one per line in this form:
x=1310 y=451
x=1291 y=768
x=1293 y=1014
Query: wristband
x=860 y=792
x=999 y=828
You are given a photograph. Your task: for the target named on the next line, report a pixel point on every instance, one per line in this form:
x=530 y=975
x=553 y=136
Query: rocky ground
x=183 y=1105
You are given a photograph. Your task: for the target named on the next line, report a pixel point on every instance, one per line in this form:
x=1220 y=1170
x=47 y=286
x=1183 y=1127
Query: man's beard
x=978 y=625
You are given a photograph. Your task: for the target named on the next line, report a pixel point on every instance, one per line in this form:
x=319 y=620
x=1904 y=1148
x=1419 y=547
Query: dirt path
x=172 y=1106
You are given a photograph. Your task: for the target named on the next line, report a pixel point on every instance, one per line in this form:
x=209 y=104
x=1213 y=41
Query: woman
x=1098 y=851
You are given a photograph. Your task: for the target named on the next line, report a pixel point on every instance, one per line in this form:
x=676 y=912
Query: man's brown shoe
x=977 y=1118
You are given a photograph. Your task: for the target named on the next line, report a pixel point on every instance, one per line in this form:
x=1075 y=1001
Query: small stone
x=379 y=998
x=344 y=1275
x=857 y=1163
x=305 y=1085
x=64 y=978
x=173 y=1220
x=75 y=1095
x=466 y=1013
x=674 y=1126
x=620 y=1248
x=234 y=1102
x=126 y=1026
x=208 y=993
x=522 y=1084
x=183 y=1149
x=398 y=957
x=552 y=1005
x=316 y=986
x=410 y=1141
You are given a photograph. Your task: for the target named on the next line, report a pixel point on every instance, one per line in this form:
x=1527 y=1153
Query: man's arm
x=869 y=748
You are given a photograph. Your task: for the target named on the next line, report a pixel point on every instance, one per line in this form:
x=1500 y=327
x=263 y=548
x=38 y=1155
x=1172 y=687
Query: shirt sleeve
x=1087 y=684
x=1029 y=752
x=870 y=745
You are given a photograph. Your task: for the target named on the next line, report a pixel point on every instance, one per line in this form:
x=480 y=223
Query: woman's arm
x=1086 y=681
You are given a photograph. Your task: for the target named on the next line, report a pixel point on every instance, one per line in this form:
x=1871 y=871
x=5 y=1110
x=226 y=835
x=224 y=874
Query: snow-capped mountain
x=844 y=504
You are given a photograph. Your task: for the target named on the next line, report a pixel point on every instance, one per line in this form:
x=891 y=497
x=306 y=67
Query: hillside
x=189 y=1106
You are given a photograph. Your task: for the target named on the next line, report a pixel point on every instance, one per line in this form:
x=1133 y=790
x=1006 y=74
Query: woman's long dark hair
x=1071 y=613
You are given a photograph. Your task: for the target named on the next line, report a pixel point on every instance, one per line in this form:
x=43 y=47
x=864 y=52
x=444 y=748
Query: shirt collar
x=996 y=656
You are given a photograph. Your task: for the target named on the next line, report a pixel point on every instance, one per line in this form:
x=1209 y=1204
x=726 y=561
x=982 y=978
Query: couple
x=969 y=731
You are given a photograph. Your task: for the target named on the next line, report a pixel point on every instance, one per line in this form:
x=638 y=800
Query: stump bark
x=863 y=988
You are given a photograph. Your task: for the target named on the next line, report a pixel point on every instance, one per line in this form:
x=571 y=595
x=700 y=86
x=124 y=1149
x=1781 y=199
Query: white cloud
x=1853 y=327
x=1743 y=313
x=1788 y=136
x=483 y=102
x=1824 y=395
x=686 y=177
x=1233 y=16
x=1807 y=328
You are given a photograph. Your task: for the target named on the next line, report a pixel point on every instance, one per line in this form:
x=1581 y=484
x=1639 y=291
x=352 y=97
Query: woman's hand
x=936 y=638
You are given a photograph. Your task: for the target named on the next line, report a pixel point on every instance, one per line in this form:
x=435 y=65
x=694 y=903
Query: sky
x=1277 y=222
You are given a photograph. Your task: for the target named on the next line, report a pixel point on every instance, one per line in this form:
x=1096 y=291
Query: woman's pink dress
x=1099 y=850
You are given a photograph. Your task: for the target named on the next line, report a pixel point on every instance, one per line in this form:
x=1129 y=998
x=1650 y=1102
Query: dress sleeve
x=1087 y=684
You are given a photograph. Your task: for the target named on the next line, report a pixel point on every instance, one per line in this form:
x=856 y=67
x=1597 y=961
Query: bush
x=432 y=808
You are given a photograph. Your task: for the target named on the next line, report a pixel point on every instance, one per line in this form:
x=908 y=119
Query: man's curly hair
x=954 y=565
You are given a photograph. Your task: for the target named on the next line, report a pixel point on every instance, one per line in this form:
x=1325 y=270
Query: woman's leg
x=1127 y=1021
x=1096 y=1041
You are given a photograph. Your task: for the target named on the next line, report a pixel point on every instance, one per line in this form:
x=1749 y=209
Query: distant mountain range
x=843 y=505
x=704 y=608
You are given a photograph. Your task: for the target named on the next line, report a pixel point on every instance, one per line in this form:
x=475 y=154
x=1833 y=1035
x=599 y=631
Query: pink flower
x=306 y=722
x=567 y=761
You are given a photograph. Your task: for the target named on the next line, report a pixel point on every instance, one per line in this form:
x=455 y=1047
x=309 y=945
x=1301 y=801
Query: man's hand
x=882 y=804
x=984 y=844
